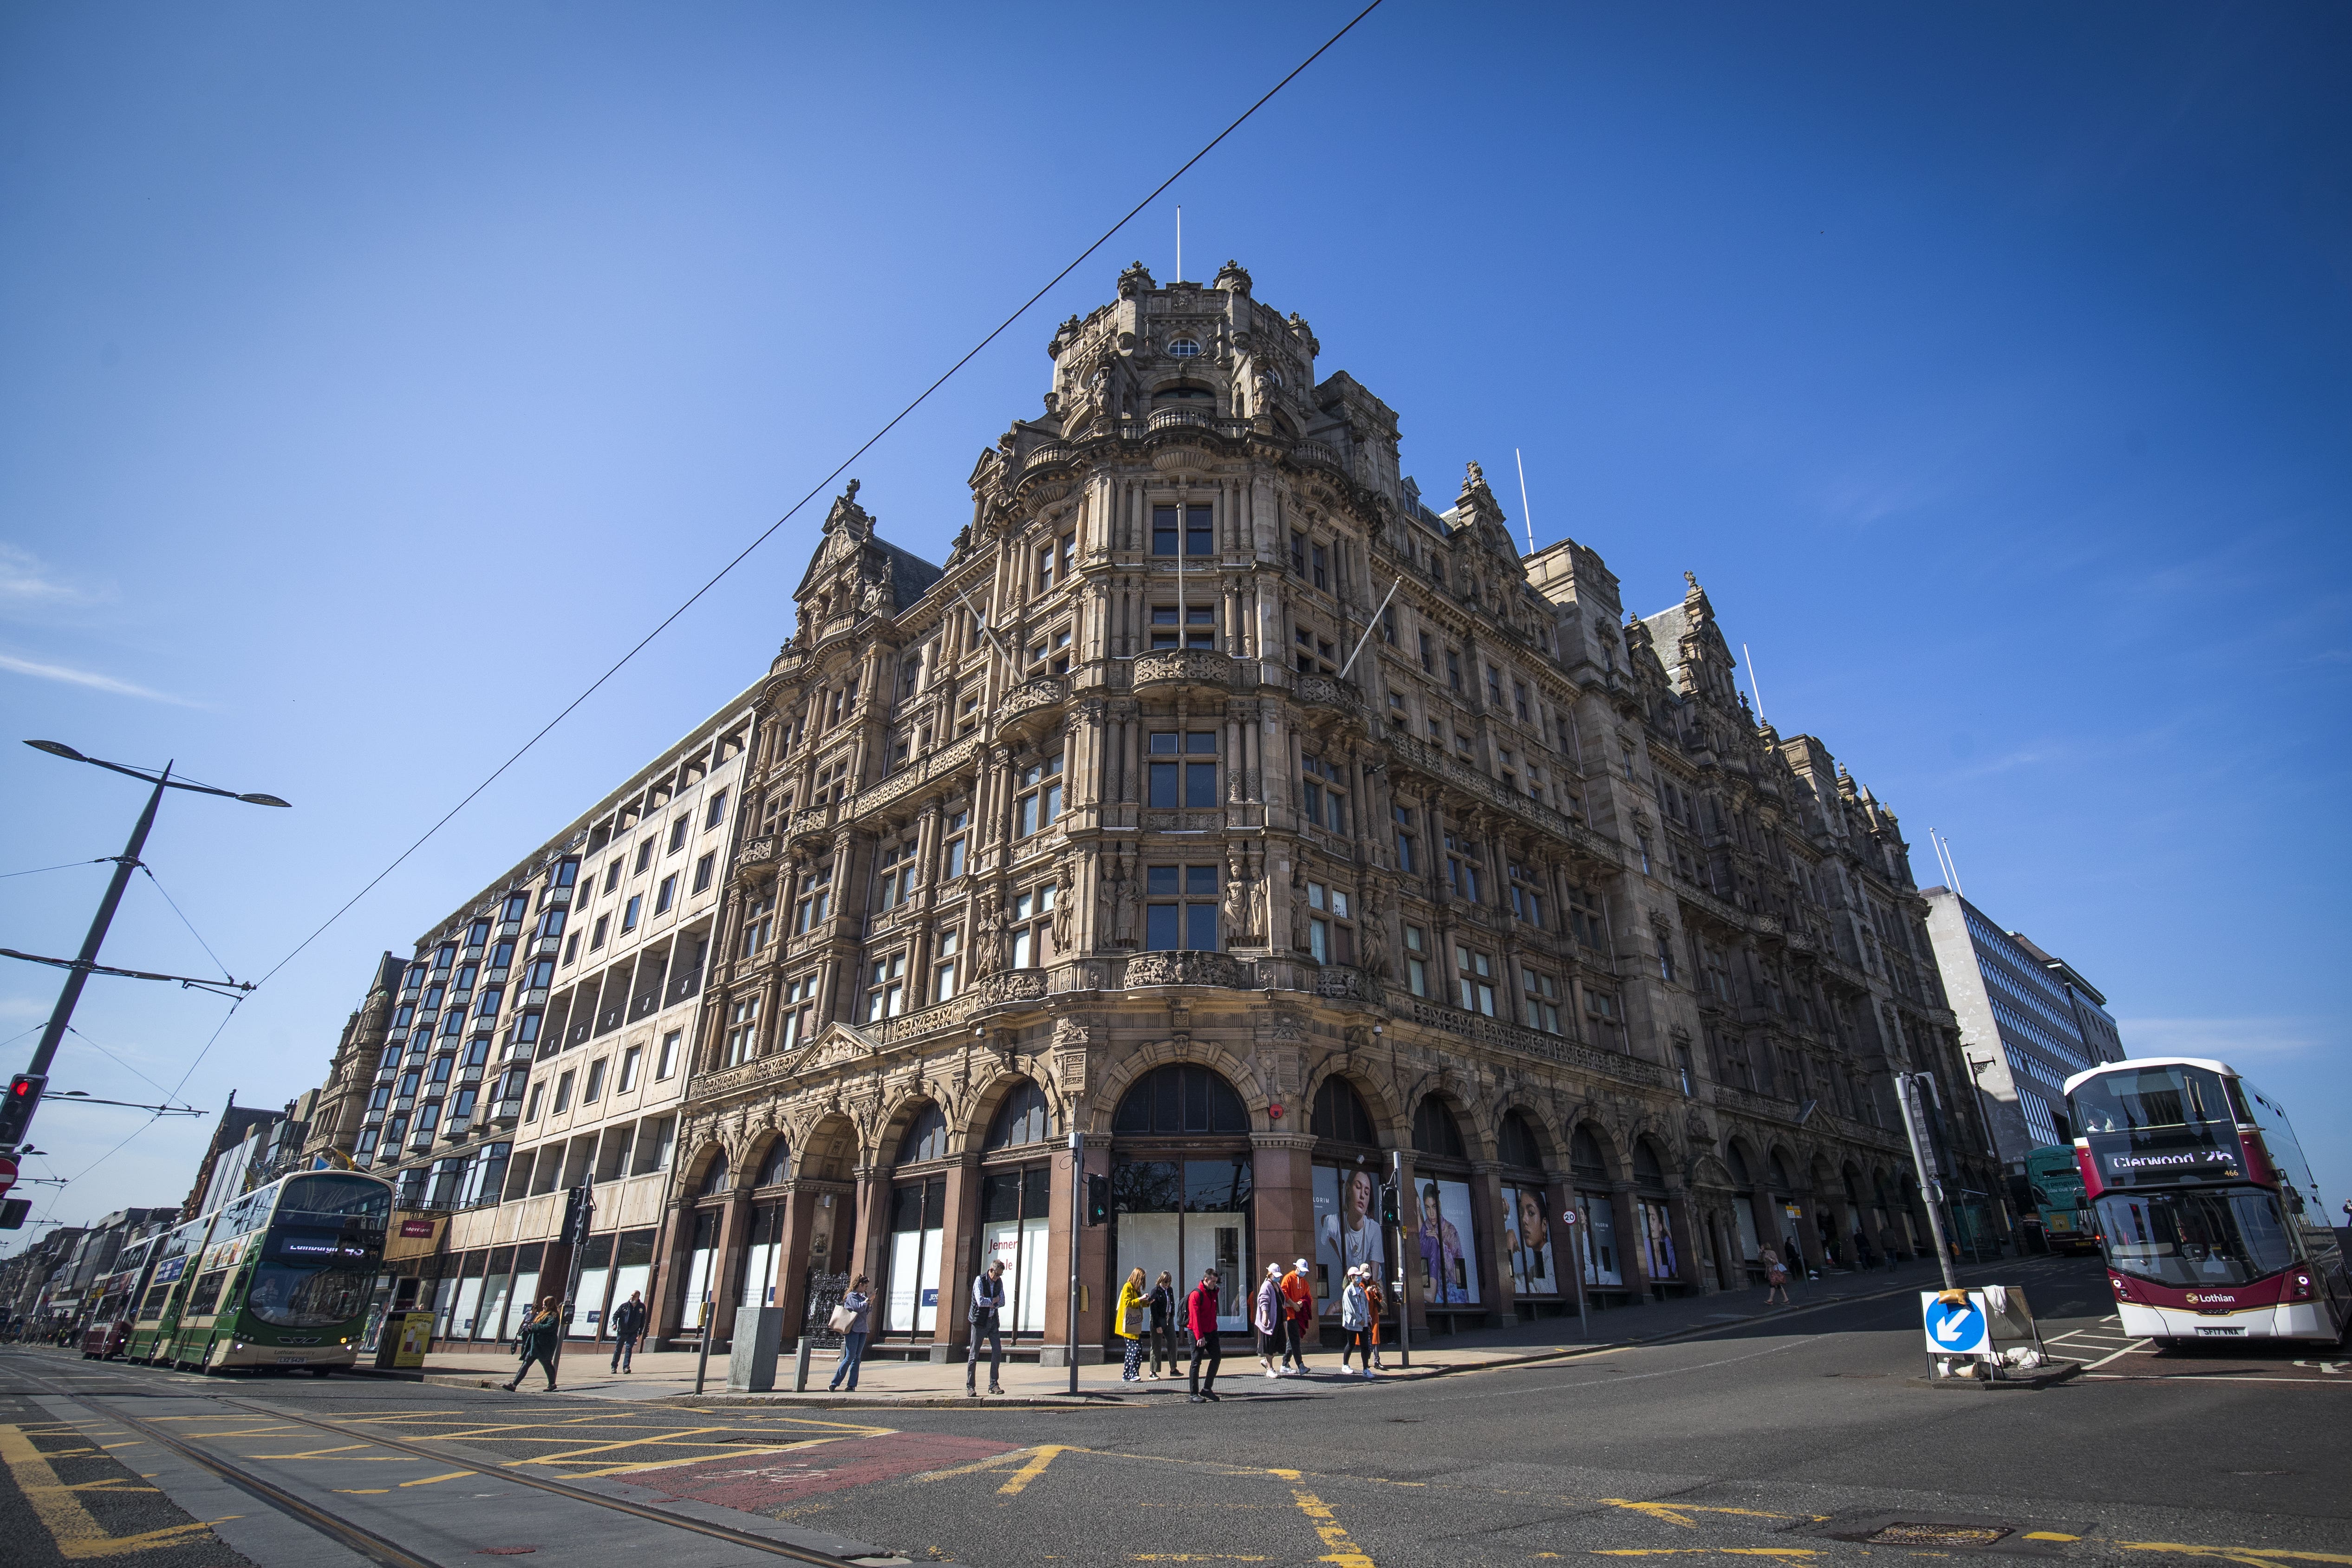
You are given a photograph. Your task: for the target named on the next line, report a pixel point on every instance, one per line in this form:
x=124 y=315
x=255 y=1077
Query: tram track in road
x=367 y=1543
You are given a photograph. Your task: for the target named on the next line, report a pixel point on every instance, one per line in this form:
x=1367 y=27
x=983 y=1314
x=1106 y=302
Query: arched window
x=1647 y=1171
x=777 y=1165
x=1585 y=1158
x=1516 y=1142
x=1780 y=1174
x=1180 y=1098
x=1021 y=1119
x=1340 y=1113
x=927 y=1139
x=714 y=1180
x=1434 y=1131
x=1736 y=1159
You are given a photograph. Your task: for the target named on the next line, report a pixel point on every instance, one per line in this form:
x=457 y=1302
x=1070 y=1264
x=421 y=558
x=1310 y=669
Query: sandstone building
x=1221 y=801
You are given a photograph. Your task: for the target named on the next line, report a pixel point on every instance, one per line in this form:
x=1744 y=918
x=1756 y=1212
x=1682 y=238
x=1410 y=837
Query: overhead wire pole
x=25 y=1092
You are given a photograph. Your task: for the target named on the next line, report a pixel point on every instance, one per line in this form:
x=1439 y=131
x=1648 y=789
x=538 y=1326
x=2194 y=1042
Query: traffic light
x=579 y=1209
x=1389 y=1203
x=12 y=1211
x=1098 y=1200
x=16 y=1111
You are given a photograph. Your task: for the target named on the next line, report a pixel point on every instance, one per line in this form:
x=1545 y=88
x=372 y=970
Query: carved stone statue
x=988 y=938
x=1257 y=922
x=1236 y=899
x=1123 y=900
x=1375 y=948
x=1298 y=934
x=1065 y=896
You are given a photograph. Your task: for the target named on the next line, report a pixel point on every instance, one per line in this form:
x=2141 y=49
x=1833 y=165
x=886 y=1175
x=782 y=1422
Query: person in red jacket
x=1200 y=1322
x=1298 y=1317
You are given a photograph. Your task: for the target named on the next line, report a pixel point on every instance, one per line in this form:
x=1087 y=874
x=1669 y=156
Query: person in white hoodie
x=1265 y=1316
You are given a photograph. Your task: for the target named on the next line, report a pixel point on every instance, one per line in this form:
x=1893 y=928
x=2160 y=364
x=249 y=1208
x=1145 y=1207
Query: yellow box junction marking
x=77 y=1534
x=1339 y=1548
x=1045 y=1454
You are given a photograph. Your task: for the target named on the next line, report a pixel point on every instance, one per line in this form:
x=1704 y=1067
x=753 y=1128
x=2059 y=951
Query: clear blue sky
x=369 y=374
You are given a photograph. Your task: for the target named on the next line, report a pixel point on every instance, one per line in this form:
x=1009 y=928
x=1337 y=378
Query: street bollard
x=801 y=1367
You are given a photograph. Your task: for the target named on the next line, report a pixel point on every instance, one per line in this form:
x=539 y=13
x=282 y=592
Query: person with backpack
x=1200 y=1322
x=1297 y=1318
x=1775 y=1275
x=536 y=1342
x=629 y=1327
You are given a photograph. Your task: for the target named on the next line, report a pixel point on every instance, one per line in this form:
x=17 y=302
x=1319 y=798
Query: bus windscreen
x=2194 y=1239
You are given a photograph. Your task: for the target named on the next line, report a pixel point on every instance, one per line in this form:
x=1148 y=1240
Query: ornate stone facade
x=1211 y=747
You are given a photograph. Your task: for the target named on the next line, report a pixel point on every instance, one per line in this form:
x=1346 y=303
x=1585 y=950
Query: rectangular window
x=759 y=923
x=1416 y=960
x=717 y=814
x=1199 y=629
x=1182 y=913
x=1032 y=928
x=666 y=894
x=631 y=1060
x=1319 y=557
x=596 y=938
x=562 y=1094
x=593 y=1090
x=1542 y=1001
x=894 y=875
x=537 y=1093
x=815 y=903
x=1475 y=972
x=1428 y=657
x=800 y=1008
x=645 y=854
x=1191 y=782
x=952 y=858
x=1041 y=802
x=1453 y=668
x=629 y=910
x=742 y=1031
x=886 y=988
x=677 y=832
x=943 y=963
x=667 y=1063
x=613 y=874
x=702 y=872
x=1323 y=794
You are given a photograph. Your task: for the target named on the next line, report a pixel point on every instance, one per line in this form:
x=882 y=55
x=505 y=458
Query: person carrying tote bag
x=849 y=1320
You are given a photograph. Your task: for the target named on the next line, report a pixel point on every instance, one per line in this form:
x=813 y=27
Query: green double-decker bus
x=278 y=1278
x=2053 y=1184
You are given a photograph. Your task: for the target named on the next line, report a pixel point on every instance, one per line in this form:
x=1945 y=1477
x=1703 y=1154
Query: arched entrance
x=1181 y=1186
x=1444 y=1220
x=1016 y=1187
x=1529 y=1249
x=1349 y=1169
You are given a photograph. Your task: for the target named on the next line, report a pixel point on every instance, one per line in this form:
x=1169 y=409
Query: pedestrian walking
x=1129 y=1320
x=1775 y=1275
x=1265 y=1316
x=536 y=1342
x=1355 y=1321
x=849 y=1320
x=1379 y=1303
x=629 y=1327
x=1298 y=1298
x=1163 y=1304
x=1201 y=1322
x=987 y=1302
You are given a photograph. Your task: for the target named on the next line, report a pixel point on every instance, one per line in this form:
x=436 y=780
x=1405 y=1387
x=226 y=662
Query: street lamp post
x=78 y=972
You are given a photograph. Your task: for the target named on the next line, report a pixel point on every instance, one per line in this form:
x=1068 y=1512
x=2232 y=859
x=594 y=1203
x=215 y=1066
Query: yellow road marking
x=111 y=1483
x=77 y=1534
x=1680 y=1513
x=132 y=1444
x=1046 y=1453
x=359 y=1491
x=428 y=1481
x=2048 y=1535
x=994 y=1461
x=1709 y=1550
x=733 y=1450
x=2259 y=1556
x=1339 y=1548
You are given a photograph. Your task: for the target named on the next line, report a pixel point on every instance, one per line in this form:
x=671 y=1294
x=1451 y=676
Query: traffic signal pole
x=1925 y=1159
x=1078 y=1233
x=77 y=976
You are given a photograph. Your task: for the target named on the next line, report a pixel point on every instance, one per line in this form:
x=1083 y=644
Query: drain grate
x=1901 y=1533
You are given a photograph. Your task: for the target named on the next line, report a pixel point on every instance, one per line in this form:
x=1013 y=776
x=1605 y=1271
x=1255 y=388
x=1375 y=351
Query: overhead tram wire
x=191 y=925
x=818 y=488
x=67 y=865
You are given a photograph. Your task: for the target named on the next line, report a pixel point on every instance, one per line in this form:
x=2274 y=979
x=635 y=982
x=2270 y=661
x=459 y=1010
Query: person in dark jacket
x=1200 y=1322
x=987 y=1306
x=629 y=1327
x=536 y=1339
x=1163 y=1304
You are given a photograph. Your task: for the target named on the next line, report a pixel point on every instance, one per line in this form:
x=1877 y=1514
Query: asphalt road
x=1802 y=1441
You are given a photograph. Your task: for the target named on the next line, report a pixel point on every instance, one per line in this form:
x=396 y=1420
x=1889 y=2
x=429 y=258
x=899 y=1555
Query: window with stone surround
x=1040 y=801
x=1181 y=912
x=1199 y=629
x=1190 y=783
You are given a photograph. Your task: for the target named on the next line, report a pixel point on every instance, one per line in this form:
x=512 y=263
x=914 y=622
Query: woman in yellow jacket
x=1128 y=1321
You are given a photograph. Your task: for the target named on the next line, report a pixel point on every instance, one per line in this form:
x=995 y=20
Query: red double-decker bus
x=2213 y=1226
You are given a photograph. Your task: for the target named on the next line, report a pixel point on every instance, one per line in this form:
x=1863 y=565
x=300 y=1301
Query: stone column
x=1066 y=1228
x=1486 y=1218
x=665 y=1308
x=959 y=1233
x=727 y=1262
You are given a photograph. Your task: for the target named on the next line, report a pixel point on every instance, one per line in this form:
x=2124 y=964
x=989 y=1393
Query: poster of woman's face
x=1449 y=1265
x=1527 y=1241
x=1346 y=1227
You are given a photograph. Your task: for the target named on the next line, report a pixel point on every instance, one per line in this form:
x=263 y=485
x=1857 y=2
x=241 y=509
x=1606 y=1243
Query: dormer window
x=1183 y=348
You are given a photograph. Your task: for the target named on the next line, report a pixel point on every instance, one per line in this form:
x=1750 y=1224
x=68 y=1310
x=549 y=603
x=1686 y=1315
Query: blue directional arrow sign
x=1956 y=1330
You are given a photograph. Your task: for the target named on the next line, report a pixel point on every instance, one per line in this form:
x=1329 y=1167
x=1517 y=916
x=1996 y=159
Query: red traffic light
x=17 y=1110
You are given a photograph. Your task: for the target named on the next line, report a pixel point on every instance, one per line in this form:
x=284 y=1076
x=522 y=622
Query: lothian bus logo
x=2195 y=1298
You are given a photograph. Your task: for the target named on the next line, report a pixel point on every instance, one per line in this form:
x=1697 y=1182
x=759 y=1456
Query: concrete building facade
x=2028 y=1022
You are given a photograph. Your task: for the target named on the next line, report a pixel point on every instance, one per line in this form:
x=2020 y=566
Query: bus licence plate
x=293 y=1360
x=2222 y=1332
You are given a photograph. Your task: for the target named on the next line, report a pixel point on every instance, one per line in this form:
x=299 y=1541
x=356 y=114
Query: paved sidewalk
x=669 y=1374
